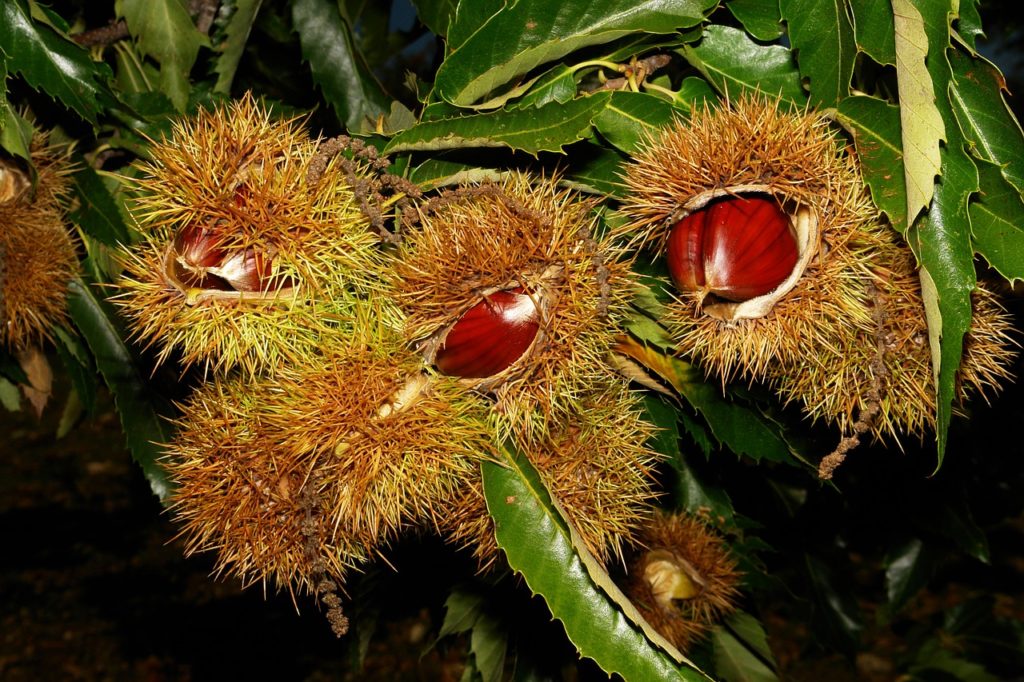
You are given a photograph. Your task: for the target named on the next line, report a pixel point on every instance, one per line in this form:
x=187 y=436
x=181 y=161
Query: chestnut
x=490 y=336
x=736 y=248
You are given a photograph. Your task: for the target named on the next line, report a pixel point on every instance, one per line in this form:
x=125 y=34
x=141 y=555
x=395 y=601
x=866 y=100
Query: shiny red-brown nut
x=736 y=248
x=490 y=336
x=197 y=247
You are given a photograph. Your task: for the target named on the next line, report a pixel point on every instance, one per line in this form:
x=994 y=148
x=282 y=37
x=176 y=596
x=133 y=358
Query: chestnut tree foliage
x=462 y=91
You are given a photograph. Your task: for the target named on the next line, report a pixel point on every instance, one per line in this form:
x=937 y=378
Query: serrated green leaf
x=760 y=19
x=997 y=222
x=165 y=32
x=434 y=173
x=236 y=35
x=462 y=609
x=51 y=63
x=821 y=33
x=15 y=132
x=742 y=430
x=144 y=429
x=909 y=567
x=346 y=81
x=436 y=14
x=98 y=213
x=942 y=240
x=922 y=128
x=874 y=29
x=734 y=64
x=837 y=616
x=875 y=127
x=969 y=24
x=741 y=651
x=548 y=128
x=489 y=642
x=539 y=544
x=985 y=119
x=558 y=84
x=689 y=491
x=490 y=49
x=631 y=118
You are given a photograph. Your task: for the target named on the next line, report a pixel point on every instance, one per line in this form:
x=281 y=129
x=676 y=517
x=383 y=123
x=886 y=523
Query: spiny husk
x=800 y=161
x=244 y=177
x=402 y=442
x=596 y=465
x=894 y=349
x=37 y=254
x=268 y=514
x=688 y=544
x=820 y=343
x=523 y=231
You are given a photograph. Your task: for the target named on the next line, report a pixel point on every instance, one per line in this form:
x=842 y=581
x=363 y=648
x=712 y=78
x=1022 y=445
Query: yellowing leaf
x=922 y=127
x=40 y=378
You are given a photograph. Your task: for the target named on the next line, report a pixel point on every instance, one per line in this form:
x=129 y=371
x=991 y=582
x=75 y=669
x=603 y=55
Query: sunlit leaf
x=49 y=62
x=969 y=24
x=761 y=19
x=540 y=545
x=874 y=30
x=548 y=128
x=822 y=35
x=165 y=32
x=942 y=239
x=434 y=173
x=735 y=64
x=875 y=126
x=489 y=50
x=997 y=222
x=984 y=117
x=922 y=128
x=632 y=117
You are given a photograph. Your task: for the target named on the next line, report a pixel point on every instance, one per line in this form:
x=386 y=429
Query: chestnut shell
x=736 y=248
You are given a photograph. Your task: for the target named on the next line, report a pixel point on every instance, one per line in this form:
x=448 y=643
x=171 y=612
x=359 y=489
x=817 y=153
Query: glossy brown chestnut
x=208 y=266
x=735 y=248
x=490 y=336
x=197 y=248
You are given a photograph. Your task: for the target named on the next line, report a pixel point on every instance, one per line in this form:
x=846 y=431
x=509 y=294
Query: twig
x=867 y=416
